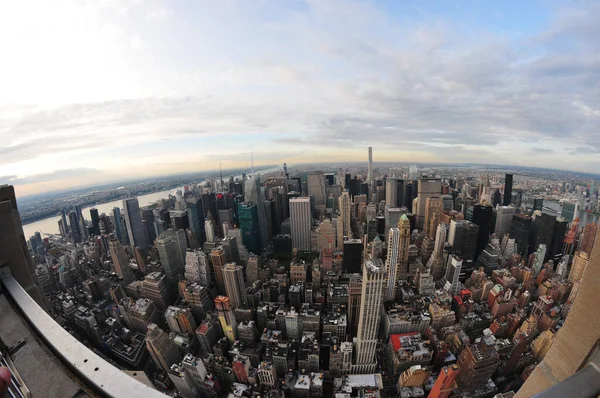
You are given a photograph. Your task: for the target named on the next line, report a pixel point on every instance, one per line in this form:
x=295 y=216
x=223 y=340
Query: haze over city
x=101 y=91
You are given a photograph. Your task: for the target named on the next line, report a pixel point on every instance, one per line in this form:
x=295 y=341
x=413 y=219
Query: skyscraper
x=433 y=212
x=477 y=363
x=300 y=222
x=95 y=221
x=373 y=291
x=403 y=245
x=172 y=248
x=217 y=258
x=316 y=189
x=195 y=211
x=370 y=170
x=163 y=351
x=453 y=285
x=248 y=218
x=253 y=194
x=74 y=227
x=436 y=261
x=428 y=187
x=63 y=217
x=391 y=263
x=120 y=260
x=345 y=211
x=133 y=221
x=508 y=182
x=482 y=216
x=391 y=192
x=233 y=276
x=504 y=216
x=519 y=230
x=117 y=221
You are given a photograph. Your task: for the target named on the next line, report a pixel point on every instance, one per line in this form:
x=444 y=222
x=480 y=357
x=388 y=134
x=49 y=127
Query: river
x=50 y=225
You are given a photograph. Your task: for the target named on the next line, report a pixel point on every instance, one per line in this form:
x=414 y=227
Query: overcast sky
x=92 y=91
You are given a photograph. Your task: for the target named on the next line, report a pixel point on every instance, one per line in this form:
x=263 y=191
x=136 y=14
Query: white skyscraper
x=300 y=221
x=316 y=189
x=391 y=263
x=453 y=284
x=209 y=230
x=233 y=275
x=374 y=284
x=345 y=208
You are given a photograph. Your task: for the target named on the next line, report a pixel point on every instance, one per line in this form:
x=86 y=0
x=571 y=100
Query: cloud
x=333 y=76
x=46 y=177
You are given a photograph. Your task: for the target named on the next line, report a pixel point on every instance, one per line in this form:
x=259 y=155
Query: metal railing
x=101 y=377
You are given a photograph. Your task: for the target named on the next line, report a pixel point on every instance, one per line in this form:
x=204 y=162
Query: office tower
x=117 y=221
x=519 y=230
x=403 y=245
x=209 y=230
x=148 y=223
x=538 y=204
x=436 y=261
x=428 y=187
x=63 y=217
x=373 y=292
x=482 y=216
x=462 y=236
x=83 y=230
x=197 y=268
x=326 y=235
x=133 y=221
x=508 y=182
x=217 y=258
x=345 y=206
x=195 y=211
x=120 y=260
x=252 y=267
x=589 y=237
x=444 y=385
x=433 y=212
x=226 y=317
x=539 y=257
x=504 y=216
x=248 y=218
x=408 y=196
x=253 y=195
x=233 y=276
x=95 y=221
x=154 y=287
x=163 y=351
x=453 y=285
x=180 y=320
x=580 y=263
x=391 y=192
x=13 y=247
x=391 y=263
x=392 y=217
x=477 y=363
x=172 y=249
x=74 y=227
x=197 y=297
x=316 y=189
x=569 y=210
x=300 y=222
x=353 y=256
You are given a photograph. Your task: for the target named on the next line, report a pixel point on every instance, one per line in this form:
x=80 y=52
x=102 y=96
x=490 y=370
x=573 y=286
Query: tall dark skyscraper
x=508 y=182
x=196 y=217
x=74 y=227
x=117 y=220
x=352 y=259
x=520 y=228
x=482 y=216
x=63 y=216
x=133 y=221
x=95 y=221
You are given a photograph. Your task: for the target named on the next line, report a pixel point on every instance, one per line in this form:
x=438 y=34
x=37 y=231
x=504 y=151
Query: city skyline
x=295 y=82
